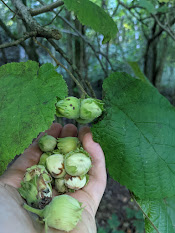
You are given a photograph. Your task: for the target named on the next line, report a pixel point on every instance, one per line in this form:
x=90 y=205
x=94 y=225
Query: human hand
x=18 y=219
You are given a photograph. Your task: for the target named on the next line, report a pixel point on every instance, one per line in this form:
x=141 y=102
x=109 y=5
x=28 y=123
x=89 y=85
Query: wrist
x=12 y=206
x=87 y=224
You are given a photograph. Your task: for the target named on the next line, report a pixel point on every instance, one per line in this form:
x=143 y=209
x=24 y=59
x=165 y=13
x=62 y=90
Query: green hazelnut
x=36 y=186
x=77 y=163
x=55 y=165
x=60 y=185
x=36 y=170
x=43 y=158
x=67 y=144
x=90 y=109
x=69 y=108
x=63 y=213
x=37 y=191
x=47 y=143
x=75 y=182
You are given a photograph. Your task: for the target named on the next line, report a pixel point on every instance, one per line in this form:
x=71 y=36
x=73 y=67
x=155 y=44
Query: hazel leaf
x=28 y=96
x=137 y=134
x=92 y=15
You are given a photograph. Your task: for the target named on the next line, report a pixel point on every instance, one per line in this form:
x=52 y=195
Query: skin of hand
x=14 y=218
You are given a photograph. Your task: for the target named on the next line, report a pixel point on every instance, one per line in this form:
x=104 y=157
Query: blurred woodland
x=43 y=30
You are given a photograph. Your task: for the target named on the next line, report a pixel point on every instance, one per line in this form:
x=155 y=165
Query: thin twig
x=46 y=8
x=18 y=41
x=79 y=34
x=7 y=30
x=161 y=30
x=37 y=42
x=74 y=67
x=54 y=17
x=163 y=27
x=115 y=10
x=14 y=37
x=90 y=45
x=85 y=40
x=8 y=7
x=60 y=64
x=130 y=8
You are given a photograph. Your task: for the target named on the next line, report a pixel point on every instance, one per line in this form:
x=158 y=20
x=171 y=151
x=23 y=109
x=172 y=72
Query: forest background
x=146 y=35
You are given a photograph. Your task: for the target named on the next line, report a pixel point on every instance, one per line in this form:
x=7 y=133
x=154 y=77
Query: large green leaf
x=28 y=95
x=158 y=214
x=93 y=16
x=137 y=134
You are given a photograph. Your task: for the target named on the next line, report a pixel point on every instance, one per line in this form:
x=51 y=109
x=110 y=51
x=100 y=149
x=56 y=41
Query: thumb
x=98 y=171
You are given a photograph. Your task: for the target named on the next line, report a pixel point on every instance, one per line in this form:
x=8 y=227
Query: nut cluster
x=64 y=165
x=68 y=163
x=82 y=110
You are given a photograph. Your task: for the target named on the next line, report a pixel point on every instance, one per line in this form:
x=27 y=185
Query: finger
x=32 y=155
x=97 y=179
x=69 y=130
x=84 y=130
x=95 y=152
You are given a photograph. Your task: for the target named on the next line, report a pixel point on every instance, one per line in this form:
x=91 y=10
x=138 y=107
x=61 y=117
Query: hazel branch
x=33 y=25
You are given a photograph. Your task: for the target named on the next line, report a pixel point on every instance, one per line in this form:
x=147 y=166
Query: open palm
x=90 y=195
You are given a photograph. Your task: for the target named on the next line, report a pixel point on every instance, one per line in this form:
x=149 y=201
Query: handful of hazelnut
x=64 y=165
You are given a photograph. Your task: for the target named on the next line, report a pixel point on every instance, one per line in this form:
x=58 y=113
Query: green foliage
x=101 y=230
x=131 y=213
x=136 y=217
x=137 y=134
x=28 y=96
x=139 y=225
x=113 y=222
x=160 y=214
x=133 y=216
x=112 y=225
x=93 y=16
